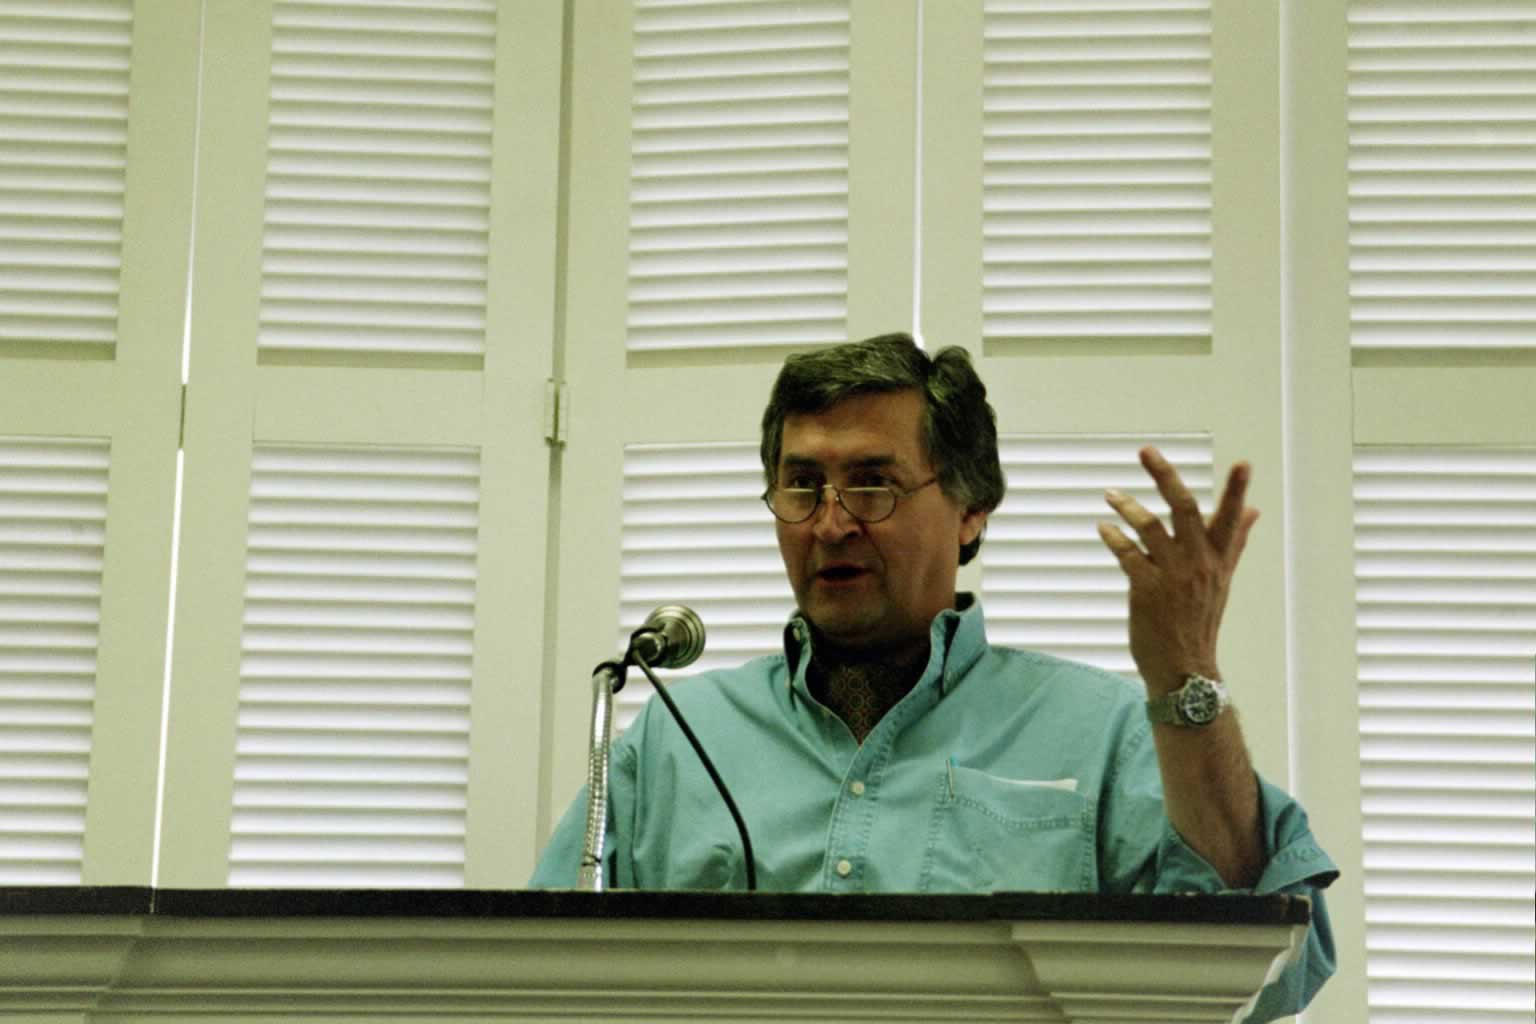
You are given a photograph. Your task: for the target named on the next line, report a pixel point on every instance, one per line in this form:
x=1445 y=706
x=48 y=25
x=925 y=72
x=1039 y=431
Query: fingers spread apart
x=1228 y=516
x=1146 y=524
x=1185 y=509
x=1129 y=554
x=1222 y=536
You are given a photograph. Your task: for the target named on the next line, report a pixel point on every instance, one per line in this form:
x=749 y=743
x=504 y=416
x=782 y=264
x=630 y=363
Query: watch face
x=1199 y=702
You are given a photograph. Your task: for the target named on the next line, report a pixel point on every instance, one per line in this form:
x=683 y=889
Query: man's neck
x=861 y=688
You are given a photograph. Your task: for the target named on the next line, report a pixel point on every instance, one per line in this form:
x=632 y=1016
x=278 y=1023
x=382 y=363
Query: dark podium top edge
x=472 y=904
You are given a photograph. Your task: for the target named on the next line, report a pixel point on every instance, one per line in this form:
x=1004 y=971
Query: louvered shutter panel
x=62 y=164
x=1097 y=171
x=353 y=744
x=378 y=181
x=63 y=141
x=53 y=510
x=1048 y=581
x=363 y=438
x=739 y=176
x=1442 y=174
x=697 y=533
x=1446 y=602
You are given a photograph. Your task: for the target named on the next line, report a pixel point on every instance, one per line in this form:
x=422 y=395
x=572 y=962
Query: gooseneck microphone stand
x=672 y=637
x=607 y=679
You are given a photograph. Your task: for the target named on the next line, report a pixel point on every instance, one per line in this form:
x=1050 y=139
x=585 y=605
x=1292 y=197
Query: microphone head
x=684 y=633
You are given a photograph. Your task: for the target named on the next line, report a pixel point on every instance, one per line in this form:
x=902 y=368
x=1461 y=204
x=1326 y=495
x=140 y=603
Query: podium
x=132 y=954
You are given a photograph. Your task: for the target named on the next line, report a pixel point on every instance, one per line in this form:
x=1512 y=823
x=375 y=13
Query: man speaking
x=891 y=748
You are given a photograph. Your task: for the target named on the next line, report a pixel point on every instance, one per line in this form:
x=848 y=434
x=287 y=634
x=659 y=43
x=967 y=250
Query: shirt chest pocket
x=988 y=833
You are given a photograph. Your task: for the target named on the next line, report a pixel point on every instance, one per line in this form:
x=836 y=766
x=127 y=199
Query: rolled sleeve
x=1294 y=861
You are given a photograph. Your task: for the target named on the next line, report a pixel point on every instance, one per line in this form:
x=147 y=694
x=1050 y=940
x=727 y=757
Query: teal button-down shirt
x=1001 y=770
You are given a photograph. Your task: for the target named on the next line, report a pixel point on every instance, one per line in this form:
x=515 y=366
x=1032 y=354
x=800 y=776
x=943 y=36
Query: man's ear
x=971 y=525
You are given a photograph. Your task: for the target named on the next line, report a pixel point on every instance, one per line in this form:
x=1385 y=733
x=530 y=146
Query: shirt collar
x=957 y=638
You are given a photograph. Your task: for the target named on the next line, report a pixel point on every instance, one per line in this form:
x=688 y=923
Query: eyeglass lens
x=797 y=504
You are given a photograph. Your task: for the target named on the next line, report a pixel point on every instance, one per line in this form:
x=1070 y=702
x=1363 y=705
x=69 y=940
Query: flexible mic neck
x=673 y=637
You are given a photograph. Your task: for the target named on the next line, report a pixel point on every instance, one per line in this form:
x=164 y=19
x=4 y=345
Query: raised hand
x=1179 y=580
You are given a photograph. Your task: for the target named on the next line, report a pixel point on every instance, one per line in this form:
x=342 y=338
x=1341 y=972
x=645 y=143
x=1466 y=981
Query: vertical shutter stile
x=1097 y=171
x=739 y=175
x=1446 y=605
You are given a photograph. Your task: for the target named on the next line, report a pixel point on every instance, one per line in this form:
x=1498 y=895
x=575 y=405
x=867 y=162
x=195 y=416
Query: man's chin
x=852 y=633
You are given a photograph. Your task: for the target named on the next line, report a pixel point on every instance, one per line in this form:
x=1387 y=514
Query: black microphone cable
x=714 y=776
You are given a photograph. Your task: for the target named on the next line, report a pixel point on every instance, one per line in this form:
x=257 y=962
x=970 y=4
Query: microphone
x=672 y=637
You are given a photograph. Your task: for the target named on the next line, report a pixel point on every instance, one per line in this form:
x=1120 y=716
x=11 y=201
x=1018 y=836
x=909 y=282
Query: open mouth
x=840 y=573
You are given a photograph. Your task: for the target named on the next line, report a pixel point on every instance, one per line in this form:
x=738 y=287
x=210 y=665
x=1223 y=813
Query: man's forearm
x=1211 y=796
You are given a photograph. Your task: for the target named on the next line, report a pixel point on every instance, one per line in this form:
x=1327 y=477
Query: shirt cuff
x=1295 y=861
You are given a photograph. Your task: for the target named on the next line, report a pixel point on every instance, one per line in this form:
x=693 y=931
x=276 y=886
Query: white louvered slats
x=53 y=509
x=355 y=668
x=1446 y=602
x=63 y=141
x=1048 y=581
x=378 y=180
x=1097 y=175
x=1442 y=158
x=739 y=175
x=696 y=532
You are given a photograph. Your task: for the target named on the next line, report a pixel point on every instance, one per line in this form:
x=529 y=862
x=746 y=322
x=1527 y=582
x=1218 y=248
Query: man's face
x=867 y=585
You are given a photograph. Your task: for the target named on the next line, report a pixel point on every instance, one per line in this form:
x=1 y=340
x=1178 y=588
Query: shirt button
x=844 y=868
x=857 y=789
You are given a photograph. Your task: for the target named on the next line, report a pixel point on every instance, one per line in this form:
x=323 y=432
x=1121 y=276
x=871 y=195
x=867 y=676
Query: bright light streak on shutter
x=1048 y=582
x=739 y=175
x=1442 y=178
x=695 y=532
x=378 y=178
x=355 y=668
x=63 y=144
x=1097 y=176
x=1445 y=556
x=53 y=510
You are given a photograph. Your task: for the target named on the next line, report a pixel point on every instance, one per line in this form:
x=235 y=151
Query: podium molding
x=238 y=955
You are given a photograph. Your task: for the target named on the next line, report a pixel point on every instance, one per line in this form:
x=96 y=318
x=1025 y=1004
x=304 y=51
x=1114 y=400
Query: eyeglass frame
x=897 y=496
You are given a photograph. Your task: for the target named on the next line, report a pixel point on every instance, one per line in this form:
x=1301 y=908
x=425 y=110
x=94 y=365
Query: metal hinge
x=557 y=411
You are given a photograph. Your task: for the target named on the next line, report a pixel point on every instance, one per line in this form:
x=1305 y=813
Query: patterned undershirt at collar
x=861 y=693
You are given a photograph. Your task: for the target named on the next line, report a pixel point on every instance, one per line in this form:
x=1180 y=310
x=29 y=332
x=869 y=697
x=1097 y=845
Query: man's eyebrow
x=865 y=462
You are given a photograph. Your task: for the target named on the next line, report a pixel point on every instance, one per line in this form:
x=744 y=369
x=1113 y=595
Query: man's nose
x=831 y=521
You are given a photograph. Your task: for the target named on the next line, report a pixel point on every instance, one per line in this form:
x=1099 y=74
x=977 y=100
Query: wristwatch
x=1199 y=702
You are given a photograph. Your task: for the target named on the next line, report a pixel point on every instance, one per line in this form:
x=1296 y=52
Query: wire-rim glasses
x=866 y=504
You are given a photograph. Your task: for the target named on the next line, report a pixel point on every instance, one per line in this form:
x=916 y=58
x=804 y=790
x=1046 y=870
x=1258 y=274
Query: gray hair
x=959 y=428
